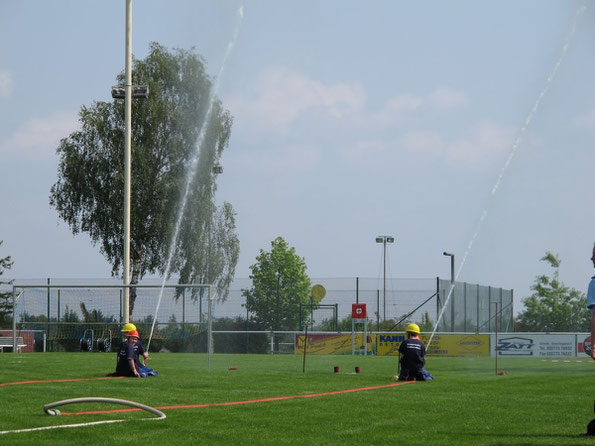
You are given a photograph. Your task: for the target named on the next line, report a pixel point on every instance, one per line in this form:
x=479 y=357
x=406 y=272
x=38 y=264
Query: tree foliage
x=279 y=285
x=553 y=307
x=166 y=130
x=6 y=297
x=94 y=315
x=426 y=324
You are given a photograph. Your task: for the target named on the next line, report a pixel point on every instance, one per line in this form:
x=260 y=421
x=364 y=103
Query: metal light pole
x=384 y=239
x=452 y=267
x=127 y=156
x=128 y=92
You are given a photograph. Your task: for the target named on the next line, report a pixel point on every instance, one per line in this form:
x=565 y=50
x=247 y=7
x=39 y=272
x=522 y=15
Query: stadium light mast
x=384 y=239
x=128 y=92
x=127 y=156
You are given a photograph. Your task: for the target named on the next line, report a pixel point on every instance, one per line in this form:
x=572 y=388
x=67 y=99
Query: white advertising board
x=529 y=345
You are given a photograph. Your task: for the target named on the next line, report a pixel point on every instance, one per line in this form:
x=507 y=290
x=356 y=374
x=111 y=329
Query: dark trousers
x=411 y=372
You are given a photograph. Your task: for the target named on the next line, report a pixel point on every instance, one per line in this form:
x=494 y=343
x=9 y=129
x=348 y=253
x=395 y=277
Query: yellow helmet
x=413 y=328
x=128 y=327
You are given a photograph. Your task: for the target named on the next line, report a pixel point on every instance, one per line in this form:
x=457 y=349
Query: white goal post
x=64 y=311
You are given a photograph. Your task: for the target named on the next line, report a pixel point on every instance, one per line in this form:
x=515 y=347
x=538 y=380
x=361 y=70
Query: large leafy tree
x=279 y=285
x=166 y=132
x=553 y=306
x=5 y=298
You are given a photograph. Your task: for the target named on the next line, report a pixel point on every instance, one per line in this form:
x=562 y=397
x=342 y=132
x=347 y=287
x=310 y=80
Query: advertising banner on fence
x=535 y=345
x=442 y=344
x=333 y=344
x=388 y=344
x=517 y=345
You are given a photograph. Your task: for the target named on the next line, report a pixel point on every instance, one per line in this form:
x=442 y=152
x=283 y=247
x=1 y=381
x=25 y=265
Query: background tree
x=279 y=285
x=6 y=297
x=553 y=306
x=426 y=324
x=88 y=194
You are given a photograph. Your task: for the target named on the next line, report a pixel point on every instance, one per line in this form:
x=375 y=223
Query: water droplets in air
x=191 y=173
x=517 y=142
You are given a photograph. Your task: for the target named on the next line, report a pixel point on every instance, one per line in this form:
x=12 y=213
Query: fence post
x=377 y=310
x=377 y=318
x=496 y=343
x=48 y=308
x=452 y=306
x=477 y=299
x=511 y=310
x=210 y=327
x=200 y=292
x=183 y=306
x=490 y=309
x=14 y=319
x=465 y=305
x=58 y=317
x=247 y=328
x=501 y=308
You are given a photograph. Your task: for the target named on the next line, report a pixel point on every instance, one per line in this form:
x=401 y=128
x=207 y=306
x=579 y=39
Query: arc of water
x=194 y=163
x=517 y=142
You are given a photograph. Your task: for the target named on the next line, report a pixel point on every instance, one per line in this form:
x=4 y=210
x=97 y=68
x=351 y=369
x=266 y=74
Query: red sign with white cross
x=358 y=311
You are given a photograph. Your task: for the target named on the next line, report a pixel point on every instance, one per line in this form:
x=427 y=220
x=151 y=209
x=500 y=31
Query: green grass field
x=537 y=403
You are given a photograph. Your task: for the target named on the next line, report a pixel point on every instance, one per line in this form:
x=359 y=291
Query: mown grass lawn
x=538 y=402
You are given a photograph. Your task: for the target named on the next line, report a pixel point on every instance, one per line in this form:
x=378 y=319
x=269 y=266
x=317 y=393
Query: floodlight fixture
x=118 y=92
x=138 y=91
x=217 y=169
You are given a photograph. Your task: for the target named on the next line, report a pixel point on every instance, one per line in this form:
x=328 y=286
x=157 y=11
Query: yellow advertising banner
x=442 y=344
x=333 y=344
x=388 y=344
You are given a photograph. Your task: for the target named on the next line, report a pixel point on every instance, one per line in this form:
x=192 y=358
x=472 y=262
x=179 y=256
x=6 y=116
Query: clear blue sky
x=352 y=119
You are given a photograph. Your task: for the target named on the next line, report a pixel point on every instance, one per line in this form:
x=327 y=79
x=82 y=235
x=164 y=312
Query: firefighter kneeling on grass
x=128 y=363
x=412 y=354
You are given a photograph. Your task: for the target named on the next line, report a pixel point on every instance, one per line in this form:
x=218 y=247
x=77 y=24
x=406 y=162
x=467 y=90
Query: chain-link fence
x=470 y=308
x=474 y=308
x=73 y=316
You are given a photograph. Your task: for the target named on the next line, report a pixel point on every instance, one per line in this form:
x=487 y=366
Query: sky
x=457 y=126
